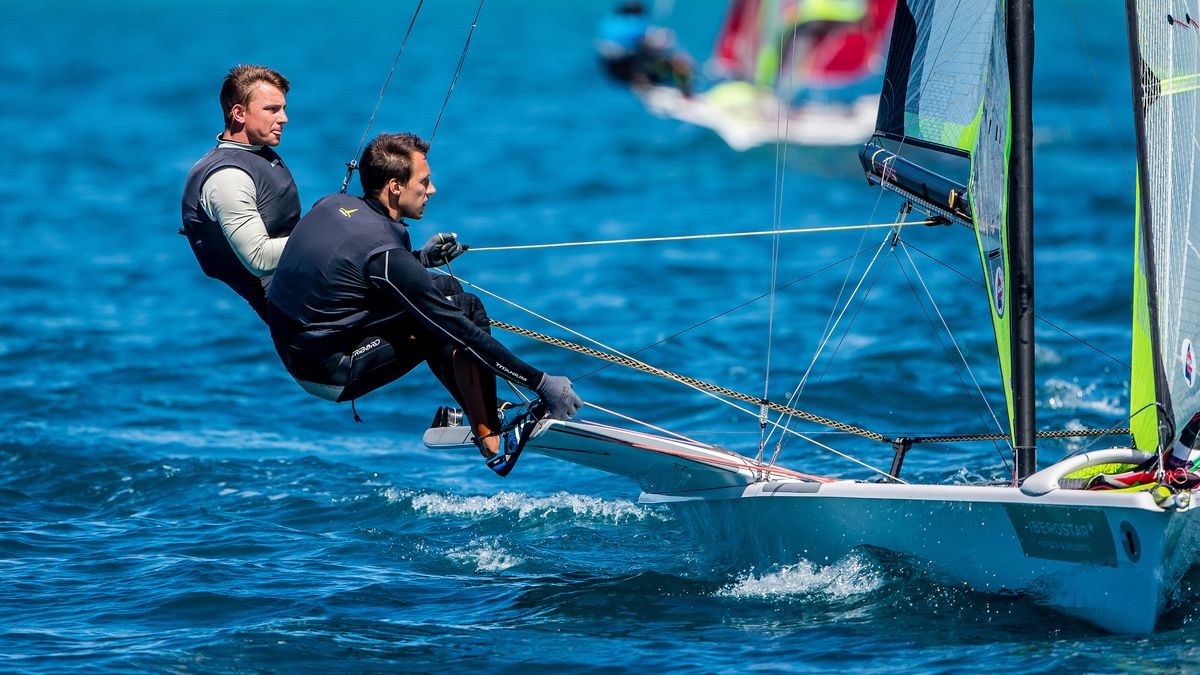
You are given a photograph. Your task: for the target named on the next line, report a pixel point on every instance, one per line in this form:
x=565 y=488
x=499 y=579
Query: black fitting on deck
x=900 y=446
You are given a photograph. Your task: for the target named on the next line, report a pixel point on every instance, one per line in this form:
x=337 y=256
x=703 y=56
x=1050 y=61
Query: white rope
x=686 y=237
x=648 y=425
x=832 y=329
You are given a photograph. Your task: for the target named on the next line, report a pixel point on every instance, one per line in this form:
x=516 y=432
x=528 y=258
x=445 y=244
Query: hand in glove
x=440 y=249
x=560 y=399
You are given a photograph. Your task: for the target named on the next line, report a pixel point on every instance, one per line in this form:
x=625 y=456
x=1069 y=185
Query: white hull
x=1106 y=557
x=759 y=122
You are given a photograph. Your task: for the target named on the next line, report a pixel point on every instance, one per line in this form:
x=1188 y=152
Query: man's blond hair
x=239 y=86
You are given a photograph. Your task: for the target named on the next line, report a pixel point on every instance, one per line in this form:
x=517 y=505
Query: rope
x=698 y=384
x=746 y=398
x=461 y=59
x=686 y=237
x=1060 y=433
x=353 y=163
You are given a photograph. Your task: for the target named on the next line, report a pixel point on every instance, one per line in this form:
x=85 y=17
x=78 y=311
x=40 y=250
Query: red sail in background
x=836 y=54
x=850 y=52
x=740 y=38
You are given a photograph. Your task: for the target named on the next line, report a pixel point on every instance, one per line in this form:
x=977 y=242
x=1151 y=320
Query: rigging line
x=461 y=59
x=687 y=237
x=949 y=357
x=625 y=359
x=837 y=348
x=825 y=338
x=827 y=330
x=716 y=392
x=659 y=429
x=783 y=111
x=730 y=310
x=949 y=333
x=1044 y=320
x=708 y=389
x=699 y=385
x=353 y=163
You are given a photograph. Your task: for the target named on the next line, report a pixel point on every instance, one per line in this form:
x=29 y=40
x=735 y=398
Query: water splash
x=486 y=555
x=1065 y=395
x=526 y=506
x=852 y=576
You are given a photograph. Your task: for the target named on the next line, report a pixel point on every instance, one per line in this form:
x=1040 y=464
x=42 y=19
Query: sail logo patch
x=998 y=290
x=1189 y=362
x=347 y=213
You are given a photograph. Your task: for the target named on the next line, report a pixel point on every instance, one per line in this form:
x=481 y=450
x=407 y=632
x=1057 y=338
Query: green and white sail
x=1165 y=58
x=946 y=89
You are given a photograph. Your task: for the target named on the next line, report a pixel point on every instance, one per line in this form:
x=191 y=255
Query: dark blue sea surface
x=171 y=500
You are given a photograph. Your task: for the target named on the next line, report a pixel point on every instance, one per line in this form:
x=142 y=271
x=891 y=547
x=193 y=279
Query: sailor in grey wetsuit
x=240 y=200
x=353 y=306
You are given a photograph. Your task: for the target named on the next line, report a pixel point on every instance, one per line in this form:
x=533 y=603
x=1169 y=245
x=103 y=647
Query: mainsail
x=946 y=90
x=1165 y=58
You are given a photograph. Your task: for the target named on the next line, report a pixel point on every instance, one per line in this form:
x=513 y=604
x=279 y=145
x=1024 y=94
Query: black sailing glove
x=440 y=249
x=560 y=399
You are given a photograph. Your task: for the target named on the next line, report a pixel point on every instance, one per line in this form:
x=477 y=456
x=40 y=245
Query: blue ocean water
x=172 y=501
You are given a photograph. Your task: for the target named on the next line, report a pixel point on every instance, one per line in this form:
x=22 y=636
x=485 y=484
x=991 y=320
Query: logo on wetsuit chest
x=365 y=348
x=347 y=213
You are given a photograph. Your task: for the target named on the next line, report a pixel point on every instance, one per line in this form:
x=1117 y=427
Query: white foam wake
x=526 y=506
x=851 y=576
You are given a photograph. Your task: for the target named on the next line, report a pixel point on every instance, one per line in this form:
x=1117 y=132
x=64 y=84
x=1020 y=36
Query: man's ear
x=238 y=113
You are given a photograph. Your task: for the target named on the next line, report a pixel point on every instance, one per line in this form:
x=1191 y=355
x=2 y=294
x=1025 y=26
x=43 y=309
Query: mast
x=1019 y=27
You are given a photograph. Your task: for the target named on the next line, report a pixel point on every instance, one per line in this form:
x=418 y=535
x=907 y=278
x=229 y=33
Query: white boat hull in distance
x=1102 y=556
x=746 y=119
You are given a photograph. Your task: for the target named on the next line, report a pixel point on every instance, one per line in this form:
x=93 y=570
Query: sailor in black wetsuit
x=352 y=306
x=240 y=200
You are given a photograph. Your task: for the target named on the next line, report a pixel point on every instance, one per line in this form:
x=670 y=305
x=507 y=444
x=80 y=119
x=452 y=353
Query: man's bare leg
x=469 y=376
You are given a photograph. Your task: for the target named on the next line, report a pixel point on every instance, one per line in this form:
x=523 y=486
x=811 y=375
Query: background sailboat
x=786 y=71
x=963 y=90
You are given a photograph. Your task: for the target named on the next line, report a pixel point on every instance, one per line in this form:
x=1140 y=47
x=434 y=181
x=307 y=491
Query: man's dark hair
x=239 y=84
x=388 y=156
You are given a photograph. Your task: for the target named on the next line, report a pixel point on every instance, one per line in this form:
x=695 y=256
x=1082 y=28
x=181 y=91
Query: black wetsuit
x=351 y=308
x=278 y=204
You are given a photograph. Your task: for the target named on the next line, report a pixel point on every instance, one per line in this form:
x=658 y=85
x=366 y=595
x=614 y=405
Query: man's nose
x=283 y=118
x=431 y=191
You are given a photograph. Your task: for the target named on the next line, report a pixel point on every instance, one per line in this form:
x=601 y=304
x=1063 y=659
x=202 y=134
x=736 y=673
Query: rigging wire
x=829 y=334
x=352 y=165
x=1044 y=320
x=688 y=237
x=962 y=357
x=837 y=348
x=782 y=115
x=458 y=70
x=728 y=311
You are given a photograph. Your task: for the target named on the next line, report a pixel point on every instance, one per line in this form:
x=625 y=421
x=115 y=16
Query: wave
x=527 y=507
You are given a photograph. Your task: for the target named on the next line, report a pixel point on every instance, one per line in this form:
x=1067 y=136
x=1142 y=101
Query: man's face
x=412 y=197
x=264 y=117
